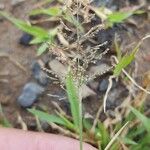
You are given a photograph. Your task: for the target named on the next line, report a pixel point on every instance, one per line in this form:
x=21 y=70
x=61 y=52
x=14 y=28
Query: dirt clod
x=30 y=94
x=39 y=74
x=25 y=39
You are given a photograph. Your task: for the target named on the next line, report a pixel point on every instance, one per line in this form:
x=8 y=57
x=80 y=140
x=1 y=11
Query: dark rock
x=116 y=97
x=66 y=107
x=104 y=85
x=105 y=3
x=32 y=125
x=45 y=126
x=39 y=74
x=25 y=39
x=99 y=3
x=95 y=21
x=106 y=35
x=34 y=17
x=30 y=94
x=111 y=4
x=30 y=122
x=110 y=104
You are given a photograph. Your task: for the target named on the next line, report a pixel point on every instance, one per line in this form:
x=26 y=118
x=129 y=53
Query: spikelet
x=79 y=50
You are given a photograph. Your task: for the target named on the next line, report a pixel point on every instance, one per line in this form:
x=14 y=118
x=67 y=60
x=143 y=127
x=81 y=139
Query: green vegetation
x=125 y=61
x=3 y=120
x=125 y=132
x=101 y=136
x=110 y=18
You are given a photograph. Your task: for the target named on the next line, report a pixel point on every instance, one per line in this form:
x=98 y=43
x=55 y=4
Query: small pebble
x=104 y=3
x=116 y=97
x=25 y=39
x=106 y=35
x=39 y=74
x=45 y=126
x=95 y=21
x=103 y=85
x=99 y=3
x=30 y=94
x=110 y=105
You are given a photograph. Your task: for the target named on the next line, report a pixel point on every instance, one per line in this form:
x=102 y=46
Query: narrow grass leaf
x=70 y=125
x=100 y=12
x=125 y=61
x=73 y=99
x=87 y=125
x=115 y=137
x=47 y=117
x=53 y=11
x=44 y=46
x=136 y=131
x=33 y=30
x=70 y=18
x=118 y=17
x=139 y=12
x=104 y=135
x=117 y=48
x=143 y=143
x=129 y=141
x=37 y=40
x=52 y=33
x=42 y=49
x=145 y=121
x=4 y=121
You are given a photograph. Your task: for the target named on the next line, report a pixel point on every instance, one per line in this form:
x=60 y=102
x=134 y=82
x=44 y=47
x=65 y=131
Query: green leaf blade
x=118 y=17
x=33 y=30
x=53 y=11
x=48 y=118
x=142 y=118
x=123 y=63
x=42 y=49
x=73 y=99
x=105 y=138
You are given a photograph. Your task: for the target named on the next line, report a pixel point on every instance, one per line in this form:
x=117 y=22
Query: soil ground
x=13 y=78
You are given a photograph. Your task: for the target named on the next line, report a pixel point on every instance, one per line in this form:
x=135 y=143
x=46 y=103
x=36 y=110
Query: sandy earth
x=12 y=77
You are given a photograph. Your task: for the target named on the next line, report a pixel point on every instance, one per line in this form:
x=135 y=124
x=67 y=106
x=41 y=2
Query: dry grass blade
x=115 y=137
x=21 y=122
x=38 y=123
x=62 y=40
x=64 y=131
x=107 y=92
x=104 y=104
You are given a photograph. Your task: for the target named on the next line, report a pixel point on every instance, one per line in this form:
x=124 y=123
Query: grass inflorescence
x=73 y=45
